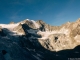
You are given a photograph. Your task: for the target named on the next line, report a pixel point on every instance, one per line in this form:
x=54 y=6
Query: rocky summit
x=36 y=40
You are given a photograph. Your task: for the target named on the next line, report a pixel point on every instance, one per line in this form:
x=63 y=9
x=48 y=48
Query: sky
x=53 y=12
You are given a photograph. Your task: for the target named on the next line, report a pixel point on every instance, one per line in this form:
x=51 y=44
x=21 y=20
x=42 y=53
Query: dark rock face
x=30 y=24
x=11 y=50
x=42 y=25
x=2 y=32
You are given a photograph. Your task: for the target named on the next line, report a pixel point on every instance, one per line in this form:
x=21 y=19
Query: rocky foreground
x=36 y=40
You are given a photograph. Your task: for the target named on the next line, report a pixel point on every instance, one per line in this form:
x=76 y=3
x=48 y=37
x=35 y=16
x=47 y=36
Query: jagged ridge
x=36 y=36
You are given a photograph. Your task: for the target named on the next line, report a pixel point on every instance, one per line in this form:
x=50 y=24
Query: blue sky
x=53 y=12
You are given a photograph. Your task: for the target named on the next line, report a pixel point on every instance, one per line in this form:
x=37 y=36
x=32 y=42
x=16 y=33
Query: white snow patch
x=22 y=22
x=34 y=22
x=32 y=31
x=9 y=26
x=27 y=19
x=65 y=31
x=47 y=33
x=37 y=26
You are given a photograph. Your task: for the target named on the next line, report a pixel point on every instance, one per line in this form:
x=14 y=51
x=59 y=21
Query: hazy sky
x=54 y=12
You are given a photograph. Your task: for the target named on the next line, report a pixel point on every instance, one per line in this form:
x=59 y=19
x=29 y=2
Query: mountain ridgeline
x=36 y=40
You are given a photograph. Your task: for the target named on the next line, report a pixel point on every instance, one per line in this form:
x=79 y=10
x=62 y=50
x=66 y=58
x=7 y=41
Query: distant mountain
x=36 y=40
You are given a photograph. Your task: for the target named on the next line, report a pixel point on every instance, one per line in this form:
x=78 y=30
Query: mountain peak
x=78 y=20
x=12 y=23
x=37 y=36
x=40 y=21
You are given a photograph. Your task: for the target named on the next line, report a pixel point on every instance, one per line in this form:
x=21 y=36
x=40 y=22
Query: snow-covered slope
x=37 y=40
x=42 y=29
x=9 y=26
